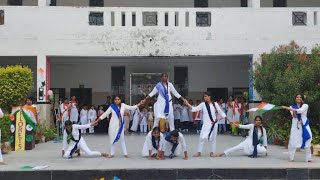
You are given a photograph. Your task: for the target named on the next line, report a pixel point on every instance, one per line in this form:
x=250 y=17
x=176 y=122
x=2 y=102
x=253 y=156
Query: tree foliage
x=15 y=84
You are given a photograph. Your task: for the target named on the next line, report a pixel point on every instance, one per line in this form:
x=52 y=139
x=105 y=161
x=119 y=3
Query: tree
x=15 y=84
x=287 y=71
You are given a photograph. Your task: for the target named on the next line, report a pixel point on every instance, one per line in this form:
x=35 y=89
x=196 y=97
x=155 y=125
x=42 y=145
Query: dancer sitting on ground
x=72 y=140
x=255 y=144
x=153 y=144
x=173 y=145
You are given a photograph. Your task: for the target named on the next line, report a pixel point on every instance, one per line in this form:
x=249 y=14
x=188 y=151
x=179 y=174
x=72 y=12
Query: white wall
x=64 y=31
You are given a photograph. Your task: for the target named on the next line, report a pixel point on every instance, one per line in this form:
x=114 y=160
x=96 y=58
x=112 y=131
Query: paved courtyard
x=50 y=154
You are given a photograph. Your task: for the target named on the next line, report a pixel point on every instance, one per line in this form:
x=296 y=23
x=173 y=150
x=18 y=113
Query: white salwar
x=148 y=145
x=207 y=124
x=92 y=116
x=74 y=114
x=81 y=144
x=246 y=146
x=161 y=104
x=167 y=146
x=295 y=140
x=114 y=126
x=135 y=119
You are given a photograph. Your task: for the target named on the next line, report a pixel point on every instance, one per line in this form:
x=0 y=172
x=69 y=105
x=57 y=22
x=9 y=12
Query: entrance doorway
x=83 y=95
x=218 y=93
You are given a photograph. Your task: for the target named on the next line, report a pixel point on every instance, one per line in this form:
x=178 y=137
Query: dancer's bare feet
x=220 y=155
x=110 y=156
x=212 y=154
x=2 y=163
x=126 y=156
x=104 y=155
x=198 y=154
x=78 y=152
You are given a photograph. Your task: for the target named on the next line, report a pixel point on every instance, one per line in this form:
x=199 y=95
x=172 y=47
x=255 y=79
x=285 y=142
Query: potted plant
x=273 y=133
x=315 y=144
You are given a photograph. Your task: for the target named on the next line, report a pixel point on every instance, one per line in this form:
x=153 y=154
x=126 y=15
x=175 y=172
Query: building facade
x=95 y=47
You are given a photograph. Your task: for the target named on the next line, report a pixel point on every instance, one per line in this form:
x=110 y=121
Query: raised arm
x=77 y=126
x=249 y=126
x=197 y=108
x=153 y=92
x=174 y=91
x=222 y=114
x=105 y=114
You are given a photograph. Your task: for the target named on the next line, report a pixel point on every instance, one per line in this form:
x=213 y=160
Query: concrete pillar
x=43 y=86
x=254 y=3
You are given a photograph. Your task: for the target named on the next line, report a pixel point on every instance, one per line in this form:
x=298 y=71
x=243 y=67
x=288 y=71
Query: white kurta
x=177 y=111
x=92 y=115
x=295 y=140
x=167 y=146
x=148 y=144
x=246 y=146
x=184 y=114
x=236 y=115
x=206 y=127
x=161 y=102
x=84 y=116
x=114 y=121
x=135 y=119
x=74 y=114
x=229 y=109
x=64 y=112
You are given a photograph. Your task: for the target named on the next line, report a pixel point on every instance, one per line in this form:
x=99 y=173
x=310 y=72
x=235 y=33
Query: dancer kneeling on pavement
x=72 y=140
x=173 y=143
x=256 y=142
x=153 y=144
x=209 y=128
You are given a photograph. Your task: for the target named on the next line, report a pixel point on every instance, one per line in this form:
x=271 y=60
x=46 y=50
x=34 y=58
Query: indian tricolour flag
x=264 y=107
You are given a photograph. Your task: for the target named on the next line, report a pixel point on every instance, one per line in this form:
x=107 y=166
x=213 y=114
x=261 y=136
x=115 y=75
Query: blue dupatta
x=164 y=93
x=305 y=134
x=117 y=111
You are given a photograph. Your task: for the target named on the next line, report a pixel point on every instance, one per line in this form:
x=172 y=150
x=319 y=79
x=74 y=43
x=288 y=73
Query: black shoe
x=252 y=156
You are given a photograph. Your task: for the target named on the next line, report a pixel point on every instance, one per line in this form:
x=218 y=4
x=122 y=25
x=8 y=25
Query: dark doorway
x=218 y=93
x=83 y=95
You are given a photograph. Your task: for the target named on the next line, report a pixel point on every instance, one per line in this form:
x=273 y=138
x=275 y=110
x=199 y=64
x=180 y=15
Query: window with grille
x=201 y=3
x=279 y=3
x=203 y=19
x=150 y=19
x=299 y=18
x=96 y=18
x=96 y=3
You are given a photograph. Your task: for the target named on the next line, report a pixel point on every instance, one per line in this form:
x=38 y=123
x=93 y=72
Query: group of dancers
x=171 y=144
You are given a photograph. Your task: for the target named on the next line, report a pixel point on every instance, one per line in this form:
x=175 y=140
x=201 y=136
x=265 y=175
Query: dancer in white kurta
x=300 y=134
x=92 y=116
x=209 y=128
x=184 y=118
x=153 y=143
x=72 y=141
x=221 y=120
x=135 y=119
x=84 y=117
x=173 y=144
x=116 y=126
x=1 y=159
x=248 y=146
x=164 y=108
